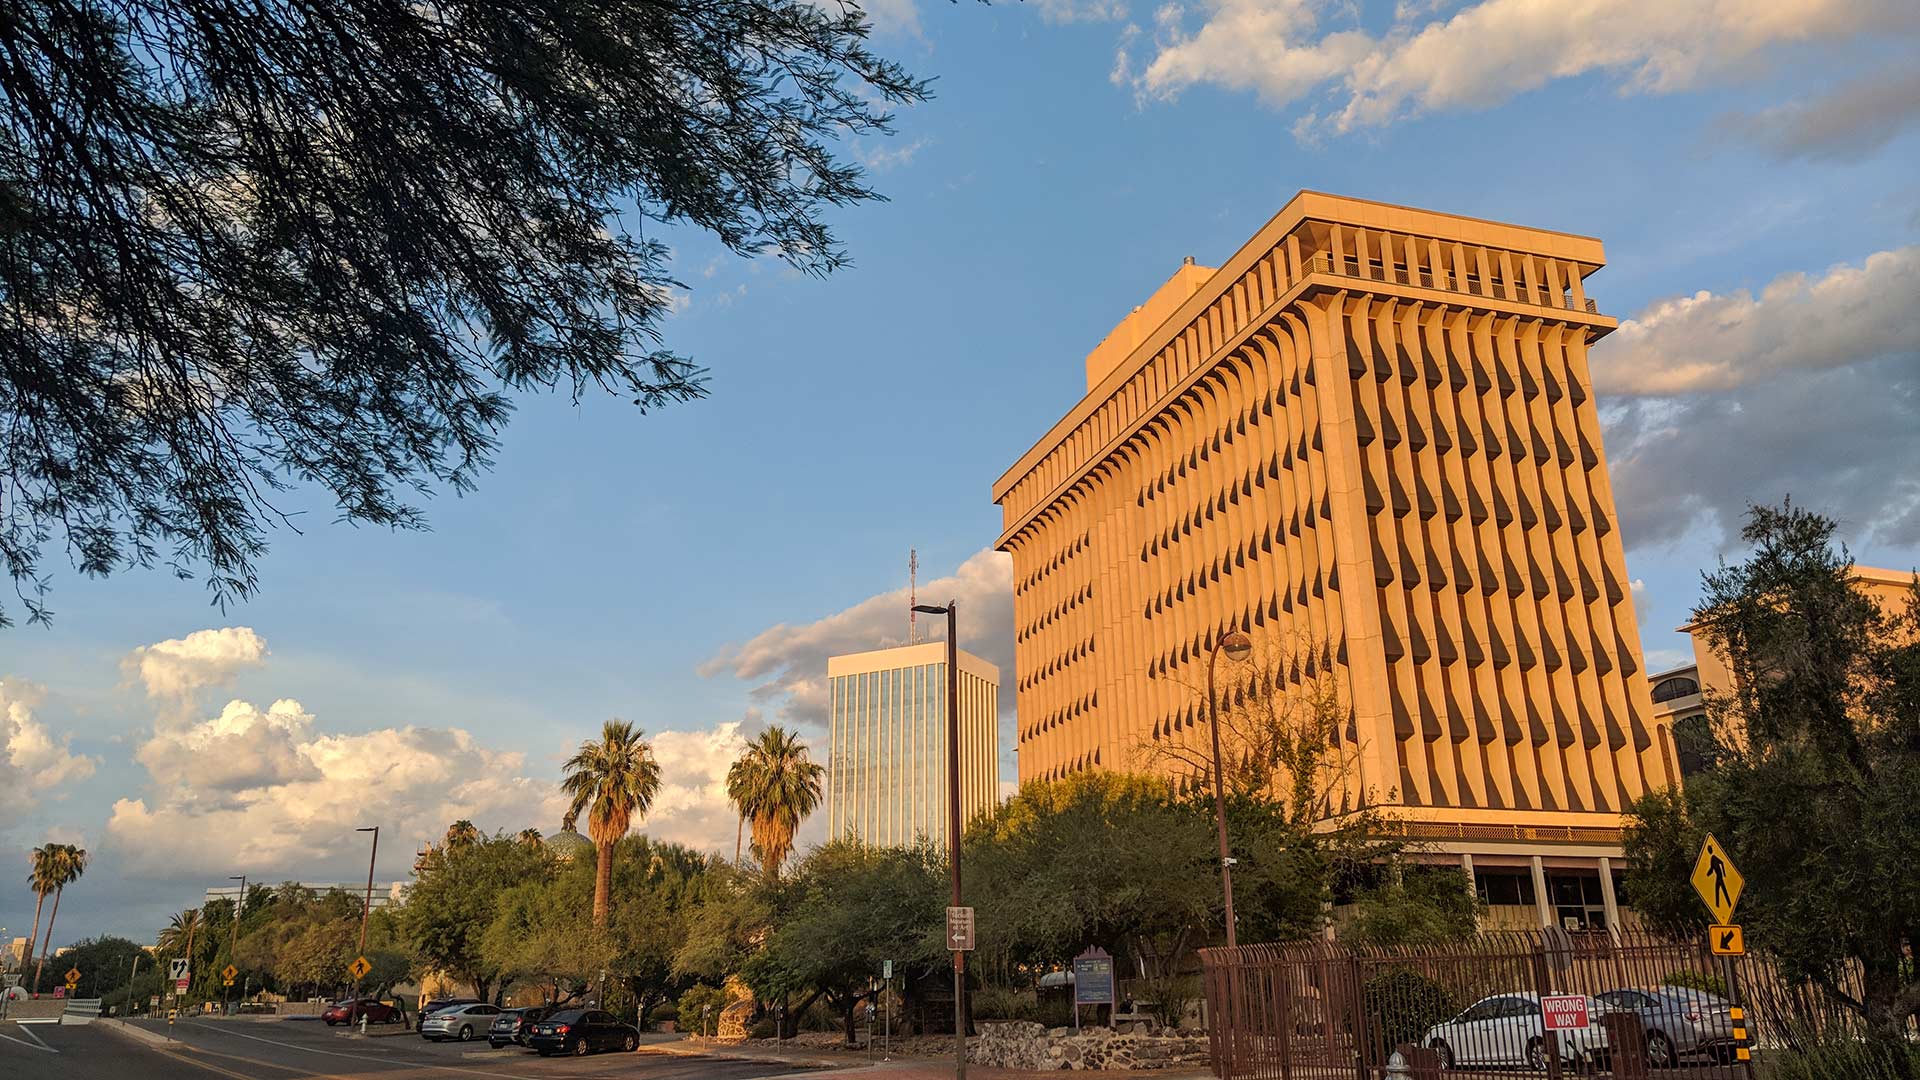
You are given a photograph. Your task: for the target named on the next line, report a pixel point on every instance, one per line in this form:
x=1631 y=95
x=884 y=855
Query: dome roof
x=566 y=843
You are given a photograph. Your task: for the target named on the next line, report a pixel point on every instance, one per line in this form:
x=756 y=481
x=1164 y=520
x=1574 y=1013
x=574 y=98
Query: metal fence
x=1630 y=1007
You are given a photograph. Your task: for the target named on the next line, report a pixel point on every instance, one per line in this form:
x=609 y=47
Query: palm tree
x=740 y=777
x=462 y=833
x=781 y=786
x=69 y=862
x=529 y=838
x=177 y=938
x=44 y=862
x=614 y=780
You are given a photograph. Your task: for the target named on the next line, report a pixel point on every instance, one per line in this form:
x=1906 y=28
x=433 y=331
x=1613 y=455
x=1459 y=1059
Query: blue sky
x=689 y=569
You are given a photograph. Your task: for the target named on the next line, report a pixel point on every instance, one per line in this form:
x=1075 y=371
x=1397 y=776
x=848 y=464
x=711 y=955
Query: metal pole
x=367 y=908
x=233 y=946
x=953 y=835
x=1219 y=794
x=131 y=969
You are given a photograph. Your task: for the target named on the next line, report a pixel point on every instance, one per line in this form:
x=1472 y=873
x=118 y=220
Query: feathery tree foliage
x=249 y=245
x=613 y=780
x=774 y=786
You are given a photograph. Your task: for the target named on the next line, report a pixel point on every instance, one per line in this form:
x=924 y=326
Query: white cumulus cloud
x=1485 y=53
x=31 y=758
x=789 y=662
x=178 y=668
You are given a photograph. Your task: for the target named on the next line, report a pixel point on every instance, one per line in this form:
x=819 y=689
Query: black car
x=513 y=1025
x=582 y=1031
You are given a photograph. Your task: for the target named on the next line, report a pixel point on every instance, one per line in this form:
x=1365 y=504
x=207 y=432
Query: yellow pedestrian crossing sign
x=229 y=974
x=359 y=968
x=1716 y=880
x=73 y=975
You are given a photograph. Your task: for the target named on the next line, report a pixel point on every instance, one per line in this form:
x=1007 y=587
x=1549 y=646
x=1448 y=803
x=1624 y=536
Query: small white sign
x=177 y=969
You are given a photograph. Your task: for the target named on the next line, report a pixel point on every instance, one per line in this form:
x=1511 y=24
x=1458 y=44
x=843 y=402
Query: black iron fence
x=1550 y=1003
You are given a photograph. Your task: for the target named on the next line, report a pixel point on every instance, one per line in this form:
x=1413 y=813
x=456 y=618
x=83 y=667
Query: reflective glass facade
x=887 y=762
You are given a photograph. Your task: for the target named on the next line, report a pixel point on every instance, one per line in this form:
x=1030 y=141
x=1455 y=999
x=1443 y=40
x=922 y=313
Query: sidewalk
x=852 y=1064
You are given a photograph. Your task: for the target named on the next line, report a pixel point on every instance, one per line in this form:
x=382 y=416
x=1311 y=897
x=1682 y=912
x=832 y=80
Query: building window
x=1677 y=687
x=1504 y=889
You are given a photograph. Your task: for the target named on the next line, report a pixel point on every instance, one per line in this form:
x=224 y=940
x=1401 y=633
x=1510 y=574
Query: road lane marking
x=36 y=1044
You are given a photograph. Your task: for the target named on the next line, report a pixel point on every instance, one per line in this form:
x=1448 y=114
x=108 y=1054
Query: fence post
x=1542 y=986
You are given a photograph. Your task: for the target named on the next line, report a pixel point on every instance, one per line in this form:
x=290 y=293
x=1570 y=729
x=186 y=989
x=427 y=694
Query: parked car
x=582 y=1031
x=1506 y=1029
x=513 y=1025
x=1679 y=1021
x=351 y=1010
x=458 y=1021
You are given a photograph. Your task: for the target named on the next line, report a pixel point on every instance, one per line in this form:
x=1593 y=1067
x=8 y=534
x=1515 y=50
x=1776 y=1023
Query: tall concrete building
x=1372 y=428
x=887 y=757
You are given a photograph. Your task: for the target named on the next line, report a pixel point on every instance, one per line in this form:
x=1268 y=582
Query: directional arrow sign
x=359 y=968
x=1727 y=940
x=177 y=970
x=960 y=929
x=1717 y=882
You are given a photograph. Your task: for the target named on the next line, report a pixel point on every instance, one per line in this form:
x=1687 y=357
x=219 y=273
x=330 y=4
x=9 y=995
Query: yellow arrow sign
x=1716 y=880
x=1727 y=940
x=359 y=968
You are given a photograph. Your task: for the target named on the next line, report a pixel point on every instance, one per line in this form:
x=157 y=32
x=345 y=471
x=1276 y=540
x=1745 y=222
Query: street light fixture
x=953 y=823
x=1238 y=647
x=366 y=909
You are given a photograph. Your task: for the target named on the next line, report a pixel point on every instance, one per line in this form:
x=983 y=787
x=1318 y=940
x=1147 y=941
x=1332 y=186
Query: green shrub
x=1697 y=980
x=1840 y=1059
x=764 y=1028
x=664 y=1011
x=1004 y=1003
x=1167 y=1000
x=1403 y=1004
x=701 y=1007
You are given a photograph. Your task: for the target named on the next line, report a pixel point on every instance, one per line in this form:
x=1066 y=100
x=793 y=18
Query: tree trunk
x=853 y=1005
x=47 y=946
x=35 y=936
x=739 y=828
x=602 y=885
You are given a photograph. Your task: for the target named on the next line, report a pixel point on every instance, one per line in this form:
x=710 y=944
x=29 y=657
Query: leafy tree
x=105 y=964
x=731 y=922
x=254 y=244
x=774 y=786
x=1416 y=905
x=456 y=896
x=614 y=781
x=1823 y=716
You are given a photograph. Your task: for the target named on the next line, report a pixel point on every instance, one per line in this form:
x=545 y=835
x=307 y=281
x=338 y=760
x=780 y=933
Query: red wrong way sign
x=1564 y=1012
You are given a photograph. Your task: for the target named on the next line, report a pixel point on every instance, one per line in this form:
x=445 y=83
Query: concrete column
x=1466 y=867
x=1606 y=897
x=1541 y=901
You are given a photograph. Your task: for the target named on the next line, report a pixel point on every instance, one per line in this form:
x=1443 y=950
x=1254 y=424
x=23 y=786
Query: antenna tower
x=913 y=588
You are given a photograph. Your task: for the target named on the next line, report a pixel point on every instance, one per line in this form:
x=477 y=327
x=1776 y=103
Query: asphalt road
x=255 y=1050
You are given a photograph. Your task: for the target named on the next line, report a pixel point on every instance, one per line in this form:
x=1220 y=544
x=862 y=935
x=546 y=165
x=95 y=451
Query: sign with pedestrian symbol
x=1727 y=940
x=960 y=929
x=359 y=968
x=227 y=975
x=73 y=975
x=1716 y=880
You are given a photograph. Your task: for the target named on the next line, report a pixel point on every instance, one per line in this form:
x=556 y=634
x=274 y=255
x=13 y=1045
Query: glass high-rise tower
x=887 y=762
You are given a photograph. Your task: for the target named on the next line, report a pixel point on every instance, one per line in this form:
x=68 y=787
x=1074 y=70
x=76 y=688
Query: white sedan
x=1506 y=1029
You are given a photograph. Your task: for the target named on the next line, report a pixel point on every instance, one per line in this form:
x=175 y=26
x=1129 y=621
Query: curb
x=140 y=1034
x=796 y=1061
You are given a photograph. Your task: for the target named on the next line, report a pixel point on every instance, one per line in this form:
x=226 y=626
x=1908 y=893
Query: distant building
x=887 y=757
x=1679 y=707
x=384 y=894
x=15 y=955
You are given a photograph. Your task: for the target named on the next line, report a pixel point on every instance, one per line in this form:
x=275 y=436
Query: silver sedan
x=459 y=1022
x=1680 y=1022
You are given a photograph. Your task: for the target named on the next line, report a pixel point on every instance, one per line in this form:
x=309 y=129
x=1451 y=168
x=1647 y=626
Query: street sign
x=1093 y=978
x=178 y=971
x=226 y=982
x=153 y=1001
x=59 y=992
x=886 y=969
x=73 y=975
x=1716 y=880
x=229 y=974
x=1564 y=1012
x=960 y=929
x=180 y=985
x=359 y=968
x=73 y=988
x=1727 y=940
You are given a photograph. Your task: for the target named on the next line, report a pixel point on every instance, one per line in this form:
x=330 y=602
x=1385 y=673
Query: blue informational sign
x=1093 y=978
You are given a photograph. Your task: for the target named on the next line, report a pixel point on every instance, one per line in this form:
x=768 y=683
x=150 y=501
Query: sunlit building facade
x=887 y=756
x=1371 y=429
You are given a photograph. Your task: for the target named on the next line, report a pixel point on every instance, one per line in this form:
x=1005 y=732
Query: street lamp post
x=953 y=824
x=233 y=945
x=366 y=909
x=1237 y=647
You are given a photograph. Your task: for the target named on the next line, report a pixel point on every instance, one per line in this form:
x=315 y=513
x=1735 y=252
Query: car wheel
x=1537 y=1055
x=329 y=1023
x=630 y=1042
x=580 y=1047
x=1445 y=1052
x=466 y=1032
x=1660 y=1052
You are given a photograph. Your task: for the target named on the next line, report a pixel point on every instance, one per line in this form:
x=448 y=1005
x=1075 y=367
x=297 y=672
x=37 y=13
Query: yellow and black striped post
x=1741 y=1052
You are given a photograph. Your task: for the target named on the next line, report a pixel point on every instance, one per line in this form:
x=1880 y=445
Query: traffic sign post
x=1727 y=940
x=960 y=929
x=359 y=968
x=73 y=975
x=1719 y=884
